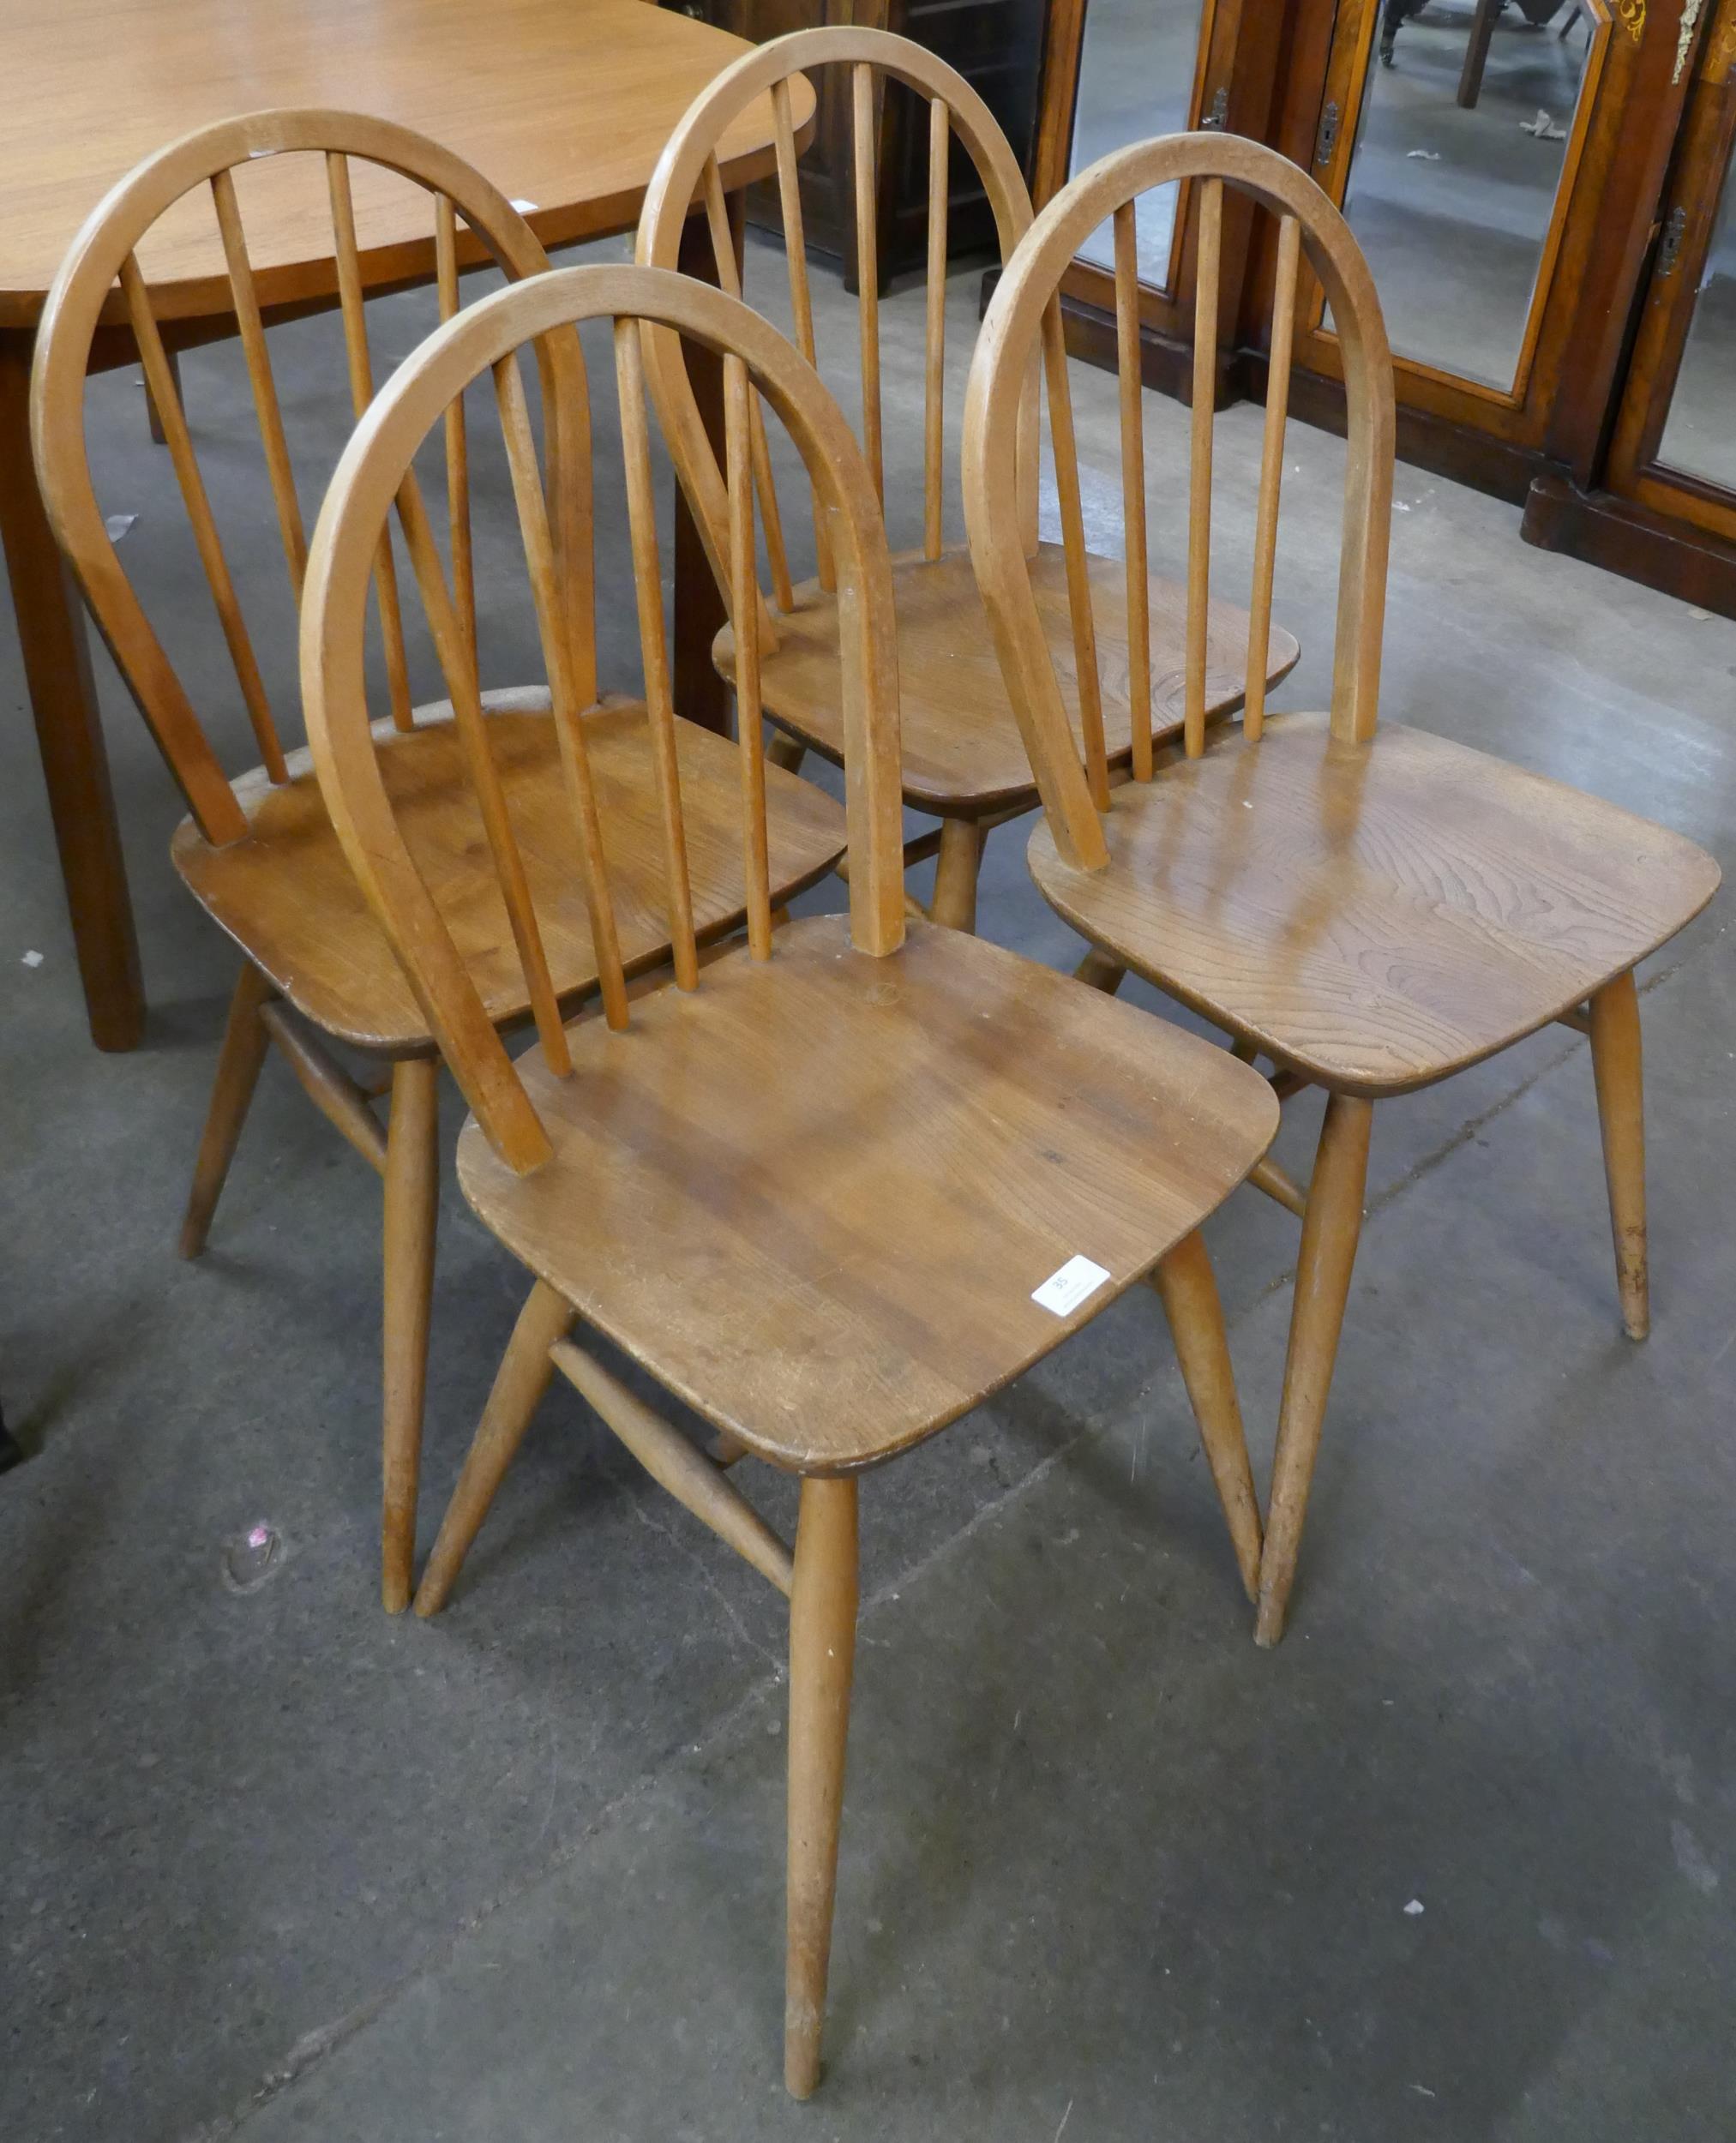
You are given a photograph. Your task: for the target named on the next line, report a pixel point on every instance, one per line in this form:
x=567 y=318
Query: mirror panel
x=1700 y=432
x=1136 y=68
x=1456 y=181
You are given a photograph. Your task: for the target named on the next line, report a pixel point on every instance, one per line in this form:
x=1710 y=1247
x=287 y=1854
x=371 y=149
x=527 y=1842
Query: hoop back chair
x=812 y=1191
x=963 y=758
x=1372 y=912
x=259 y=854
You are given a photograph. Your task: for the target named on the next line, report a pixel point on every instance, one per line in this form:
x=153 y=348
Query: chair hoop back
x=1308 y=222
x=84 y=299
x=688 y=173
x=375 y=473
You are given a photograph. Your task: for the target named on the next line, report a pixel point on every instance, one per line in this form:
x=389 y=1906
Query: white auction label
x=1064 y=1290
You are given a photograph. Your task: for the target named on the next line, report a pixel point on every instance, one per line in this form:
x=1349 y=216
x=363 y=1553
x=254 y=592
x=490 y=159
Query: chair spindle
x=1271 y=474
x=161 y=379
x=350 y=304
x=457 y=654
x=457 y=440
x=659 y=706
x=800 y=298
x=934 y=380
x=261 y=379
x=749 y=721
x=729 y=279
x=864 y=138
x=1127 y=351
x=1072 y=520
x=1205 y=304
x=550 y=594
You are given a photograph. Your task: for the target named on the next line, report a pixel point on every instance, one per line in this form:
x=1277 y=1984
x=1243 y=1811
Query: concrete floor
x=276 y=1867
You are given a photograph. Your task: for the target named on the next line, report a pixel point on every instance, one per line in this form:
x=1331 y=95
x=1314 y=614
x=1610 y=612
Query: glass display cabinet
x=1541 y=188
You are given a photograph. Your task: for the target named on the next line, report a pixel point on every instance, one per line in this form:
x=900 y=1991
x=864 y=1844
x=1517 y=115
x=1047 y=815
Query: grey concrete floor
x=277 y=1867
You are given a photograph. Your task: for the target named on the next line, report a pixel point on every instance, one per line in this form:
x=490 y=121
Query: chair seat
x=812 y=1197
x=288 y=898
x=1376 y=915
x=963 y=752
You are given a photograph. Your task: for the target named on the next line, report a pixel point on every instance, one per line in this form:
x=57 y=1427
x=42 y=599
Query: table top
x=564 y=103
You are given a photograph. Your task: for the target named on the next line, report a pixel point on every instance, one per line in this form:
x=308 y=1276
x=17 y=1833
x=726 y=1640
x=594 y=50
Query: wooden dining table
x=563 y=103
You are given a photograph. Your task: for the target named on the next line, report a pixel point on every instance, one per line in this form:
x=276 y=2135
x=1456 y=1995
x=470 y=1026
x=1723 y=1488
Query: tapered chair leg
x=1616 y=1066
x=785 y=751
x=822 y=1653
x=955 y=874
x=1331 y=1226
x=1101 y=971
x=520 y=1382
x=244 y=1041
x=1188 y=1292
x=413 y=1194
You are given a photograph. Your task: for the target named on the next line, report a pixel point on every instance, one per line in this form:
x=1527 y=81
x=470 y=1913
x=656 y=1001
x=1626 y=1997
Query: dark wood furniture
x=1584 y=306
x=995 y=44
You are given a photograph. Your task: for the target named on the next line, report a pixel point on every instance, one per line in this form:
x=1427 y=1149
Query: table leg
x=1477 y=51
x=68 y=731
x=700 y=693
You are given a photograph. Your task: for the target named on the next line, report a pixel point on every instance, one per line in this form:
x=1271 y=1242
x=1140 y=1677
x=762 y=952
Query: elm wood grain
x=1374 y=911
x=963 y=758
x=260 y=854
x=1376 y=915
x=963 y=751
x=567 y=101
x=961 y=1125
x=812 y=1194
x=286 y=895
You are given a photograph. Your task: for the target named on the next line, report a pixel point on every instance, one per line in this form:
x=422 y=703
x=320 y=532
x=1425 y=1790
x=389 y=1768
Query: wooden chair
x=813 y=1193
x=1370 y=912
x=962 y=760
x=259 y=854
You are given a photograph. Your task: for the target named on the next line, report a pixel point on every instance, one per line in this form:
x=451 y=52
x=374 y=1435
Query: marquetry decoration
x=1684 y=38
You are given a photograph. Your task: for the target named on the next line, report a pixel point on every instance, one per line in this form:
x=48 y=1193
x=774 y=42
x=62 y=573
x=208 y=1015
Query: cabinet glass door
x=1699 y=433
x=1466 y=133
x=1675 y=445
x=1139 y=71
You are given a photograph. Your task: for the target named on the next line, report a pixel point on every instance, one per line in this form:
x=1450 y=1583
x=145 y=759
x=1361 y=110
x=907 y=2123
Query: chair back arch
x=375 y=475
x=85 y=298
x=1017 y=315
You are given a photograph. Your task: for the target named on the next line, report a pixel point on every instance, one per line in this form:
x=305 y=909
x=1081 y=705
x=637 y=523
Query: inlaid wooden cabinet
x=997 y=45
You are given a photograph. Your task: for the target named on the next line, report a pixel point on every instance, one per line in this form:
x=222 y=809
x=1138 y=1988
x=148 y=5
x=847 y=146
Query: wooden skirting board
x=1630 y=539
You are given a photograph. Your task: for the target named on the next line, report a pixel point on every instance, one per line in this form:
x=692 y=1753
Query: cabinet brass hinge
x=1670 y=245
x=1327 y=138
